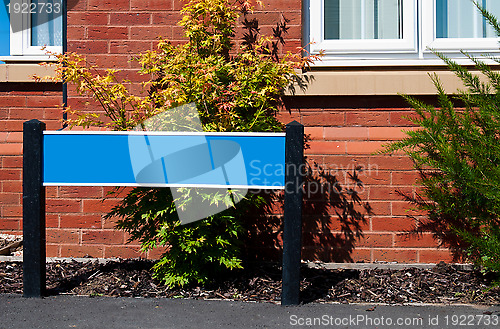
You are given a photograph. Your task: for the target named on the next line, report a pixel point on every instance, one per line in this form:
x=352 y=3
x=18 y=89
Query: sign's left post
x=33 y=210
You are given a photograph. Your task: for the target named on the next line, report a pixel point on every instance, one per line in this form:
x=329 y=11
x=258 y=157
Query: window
x=357 y=32
x=35 y=24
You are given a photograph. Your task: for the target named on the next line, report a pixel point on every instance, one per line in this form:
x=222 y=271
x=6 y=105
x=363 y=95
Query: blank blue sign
x=232 y=160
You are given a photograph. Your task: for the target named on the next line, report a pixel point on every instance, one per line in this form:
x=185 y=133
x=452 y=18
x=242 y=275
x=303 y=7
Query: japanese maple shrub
x=235 y=88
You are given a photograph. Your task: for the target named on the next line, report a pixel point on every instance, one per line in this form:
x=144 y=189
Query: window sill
x=23 y=72
x=34 y=58
x=373 y=81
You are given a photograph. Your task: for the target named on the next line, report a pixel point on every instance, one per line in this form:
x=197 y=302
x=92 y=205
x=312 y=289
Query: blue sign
x=164 y=159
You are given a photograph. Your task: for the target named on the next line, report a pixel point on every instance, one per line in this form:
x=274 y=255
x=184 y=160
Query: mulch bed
x=262 y=283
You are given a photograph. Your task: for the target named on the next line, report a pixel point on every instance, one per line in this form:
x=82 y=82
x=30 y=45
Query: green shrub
x=457 y=152
x=234 y=89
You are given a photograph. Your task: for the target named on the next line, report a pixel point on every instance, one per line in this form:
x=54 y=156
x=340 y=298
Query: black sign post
x=292 y=230
x=33 y=210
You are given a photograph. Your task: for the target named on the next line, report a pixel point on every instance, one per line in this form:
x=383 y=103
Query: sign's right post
x=292 y=227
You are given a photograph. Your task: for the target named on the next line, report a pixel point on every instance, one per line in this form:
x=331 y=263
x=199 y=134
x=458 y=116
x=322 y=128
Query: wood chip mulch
x=262 y=283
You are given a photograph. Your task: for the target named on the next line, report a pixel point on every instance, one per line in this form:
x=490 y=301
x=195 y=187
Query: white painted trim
x=451 y=45
x=163 y=133
x=20 y=41
x=363 y=53
x=253 y=187
x=384 y=46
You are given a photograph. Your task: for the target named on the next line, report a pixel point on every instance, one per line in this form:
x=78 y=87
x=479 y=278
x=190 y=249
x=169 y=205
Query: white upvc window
x=398 y=32
x=363 y=26
x=36 y=27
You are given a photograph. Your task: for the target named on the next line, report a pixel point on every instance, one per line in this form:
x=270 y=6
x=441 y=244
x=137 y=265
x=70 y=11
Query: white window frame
x=20 y=41
x=414 y=49
x=406 y=44
x=450 y=45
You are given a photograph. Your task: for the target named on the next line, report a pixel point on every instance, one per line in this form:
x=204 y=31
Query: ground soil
x=262 y=282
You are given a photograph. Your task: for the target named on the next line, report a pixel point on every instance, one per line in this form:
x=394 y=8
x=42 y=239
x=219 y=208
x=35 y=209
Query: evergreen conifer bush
x=457 y=152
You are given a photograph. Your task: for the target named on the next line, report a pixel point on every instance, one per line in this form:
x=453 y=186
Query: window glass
x=46 y=23
x=461 y=19
x=362 y=19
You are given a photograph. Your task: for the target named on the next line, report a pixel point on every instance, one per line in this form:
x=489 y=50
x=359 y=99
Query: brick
x=375 y=240
x=395 y=255
x=109 y=222
x=51 y=220
x=346 y=133
x=98 y=206
x=12 y=186
x=386 y=133
x=156 y=253
x=82 y=251
x=12 y=162
x=88 y=47
x=63 y=205
x=322 y=119
x=103 y=5
x=367 y=147
x=52 y=250
x=379 y=208
x=389 y=192
x=123 y=252
x=102 y=237
x=87 y=18
x=166 y=18
x=393 y=224
x=403 y=208
x=285 y=116
x=27 y=113
x=12 y=101
x=51 y=192
x=108 y=33
x=415 y=241
x=10 y=223
x=318 y=147
x=80 y=221
x=263 y=17
x=43 y=101
x=314 y=132
x=405 y=177
x=81 y=192
x=391 y=162
x=62 y=236
x=11 y=125
x=367 y=119
x=76 y=32
x=282 y=5
x=151 y=5
x=400 y=118
x=374 y=176
x=435 y=256
x=10 y=149
x=150 y=32
x=129 y=47
x=10 y=198
x=129 y=19
x=15 y=137
x=9 y=174
x=76 y=5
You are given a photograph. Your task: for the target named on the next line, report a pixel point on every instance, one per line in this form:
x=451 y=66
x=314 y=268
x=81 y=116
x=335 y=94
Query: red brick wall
x=20 y=102
x=110 y=33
